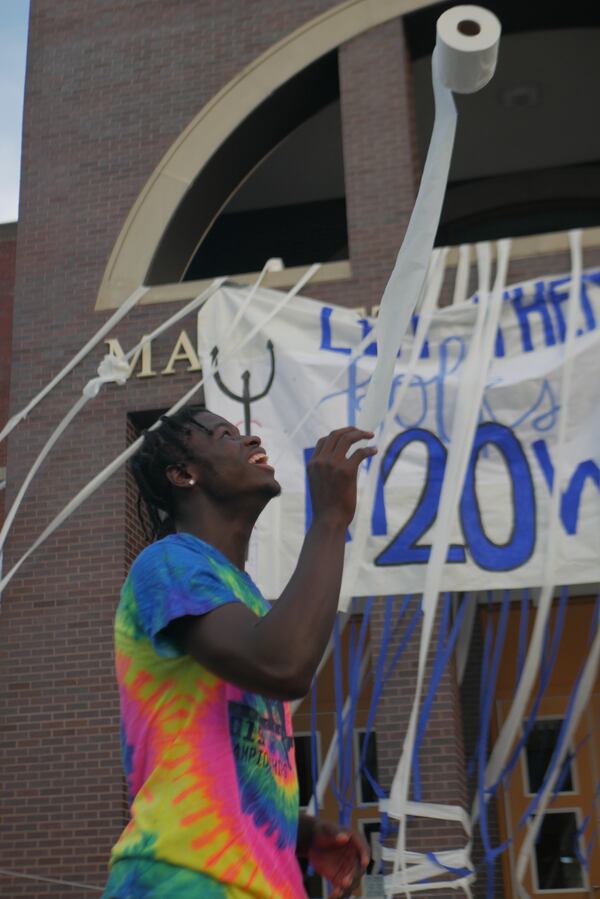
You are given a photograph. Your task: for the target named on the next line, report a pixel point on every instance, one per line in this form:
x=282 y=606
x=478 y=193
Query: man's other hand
x=339 y=855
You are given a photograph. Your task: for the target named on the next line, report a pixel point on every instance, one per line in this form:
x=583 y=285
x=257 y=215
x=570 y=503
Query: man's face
x=226 y=464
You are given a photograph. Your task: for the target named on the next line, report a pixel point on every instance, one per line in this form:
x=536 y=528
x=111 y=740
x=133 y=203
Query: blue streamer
x=346 y=762
x=546 y=672
x=354 y=689
x=406 y=601
x=444 y=652
x=373 y=705
x=564 y=771
x=523 y=633
x=557 y=751
x=582 y=859
x=345 y=787
x=488 y=691
x=337 y=676
x=567 y=764
x=379 y=667
x=460 y=872
x=381 y=674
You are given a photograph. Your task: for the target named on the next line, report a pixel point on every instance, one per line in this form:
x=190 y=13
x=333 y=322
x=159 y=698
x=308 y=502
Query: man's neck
x=227 y=531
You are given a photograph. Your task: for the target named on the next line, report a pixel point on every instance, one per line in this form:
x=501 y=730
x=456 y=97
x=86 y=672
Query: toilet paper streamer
x=464 y=60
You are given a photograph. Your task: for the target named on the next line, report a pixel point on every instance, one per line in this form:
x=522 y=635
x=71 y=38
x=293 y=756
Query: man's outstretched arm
x=278 y=655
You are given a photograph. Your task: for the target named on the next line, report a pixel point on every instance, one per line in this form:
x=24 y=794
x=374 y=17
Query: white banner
x=499 y=533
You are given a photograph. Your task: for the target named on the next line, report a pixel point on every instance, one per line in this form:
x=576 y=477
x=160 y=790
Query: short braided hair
x=161 y=447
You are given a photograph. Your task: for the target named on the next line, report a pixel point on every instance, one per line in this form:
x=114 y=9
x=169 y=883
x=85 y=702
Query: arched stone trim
x=132 y=253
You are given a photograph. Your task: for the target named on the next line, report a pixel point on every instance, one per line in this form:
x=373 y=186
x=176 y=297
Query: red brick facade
x=110 y=86
x=8 y=255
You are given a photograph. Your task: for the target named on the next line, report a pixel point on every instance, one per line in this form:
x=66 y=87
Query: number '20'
x=404 y=548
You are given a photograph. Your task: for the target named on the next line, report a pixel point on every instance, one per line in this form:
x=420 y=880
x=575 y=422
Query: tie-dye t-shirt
x=210 y=767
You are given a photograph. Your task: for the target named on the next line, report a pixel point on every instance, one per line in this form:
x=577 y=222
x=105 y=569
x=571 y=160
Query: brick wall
x=8 y=256
x=136 y=522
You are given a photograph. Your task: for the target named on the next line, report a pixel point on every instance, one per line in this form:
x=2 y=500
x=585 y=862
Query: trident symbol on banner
x=245 y=399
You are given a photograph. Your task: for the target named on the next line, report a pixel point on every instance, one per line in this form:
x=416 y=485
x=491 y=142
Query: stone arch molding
x=132 y=253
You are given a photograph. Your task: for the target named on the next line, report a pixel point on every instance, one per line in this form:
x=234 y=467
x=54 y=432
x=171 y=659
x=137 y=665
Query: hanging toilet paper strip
x=108 y=325
x=463 y=60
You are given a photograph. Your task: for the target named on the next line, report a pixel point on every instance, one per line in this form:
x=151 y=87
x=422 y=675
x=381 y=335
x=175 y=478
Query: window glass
x=302 y=743
x=557 y=865
x=367 y=793
x=371 y=832
x=539 y=749
x=313 y=883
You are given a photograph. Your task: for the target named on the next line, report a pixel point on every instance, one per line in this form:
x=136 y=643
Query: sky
x=14 y=15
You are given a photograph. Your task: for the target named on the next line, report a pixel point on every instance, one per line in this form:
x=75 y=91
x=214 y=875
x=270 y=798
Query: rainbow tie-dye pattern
x=210 y=767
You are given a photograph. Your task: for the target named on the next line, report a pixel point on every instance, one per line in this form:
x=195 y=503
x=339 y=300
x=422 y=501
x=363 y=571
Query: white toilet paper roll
x=467 y=47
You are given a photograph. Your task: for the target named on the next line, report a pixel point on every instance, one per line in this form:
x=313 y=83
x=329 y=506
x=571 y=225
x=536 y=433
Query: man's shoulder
x=176 y=557
x=162 y=551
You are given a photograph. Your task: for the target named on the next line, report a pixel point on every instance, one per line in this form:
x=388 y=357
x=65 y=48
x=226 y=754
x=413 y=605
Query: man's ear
x=179 y=476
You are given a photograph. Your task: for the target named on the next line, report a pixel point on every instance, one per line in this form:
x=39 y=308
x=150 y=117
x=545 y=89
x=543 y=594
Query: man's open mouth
x=261 y=459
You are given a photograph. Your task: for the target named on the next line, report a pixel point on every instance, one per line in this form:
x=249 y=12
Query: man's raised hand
x=332 y=476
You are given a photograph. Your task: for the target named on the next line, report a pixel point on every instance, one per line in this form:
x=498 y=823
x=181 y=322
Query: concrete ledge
x=539 y=245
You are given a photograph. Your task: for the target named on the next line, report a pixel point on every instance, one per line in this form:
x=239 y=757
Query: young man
x=205 y=667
